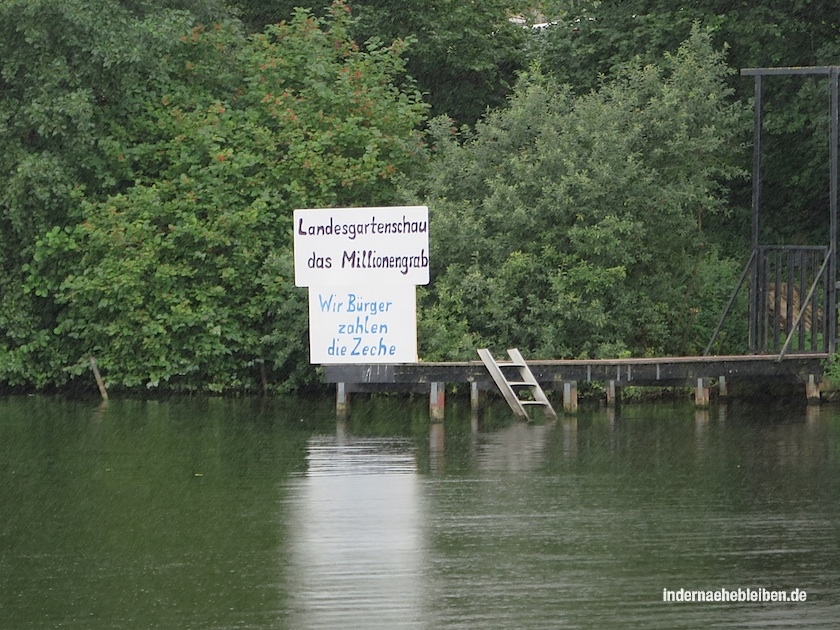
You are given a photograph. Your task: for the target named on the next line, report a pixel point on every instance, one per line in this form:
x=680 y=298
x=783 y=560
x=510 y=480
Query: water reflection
x=519 y=447
x=437 y=448
x=356 y=535
x=246 y=514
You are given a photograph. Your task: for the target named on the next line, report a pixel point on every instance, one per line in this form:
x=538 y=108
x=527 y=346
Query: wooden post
x=342 y=400
x=723 y=390
x=570 y=397
x=812 y=390
x=613 y=395
x=476 y=398
x=476 y=401
x=99 y=382
x=701 y=393
x=437 y=401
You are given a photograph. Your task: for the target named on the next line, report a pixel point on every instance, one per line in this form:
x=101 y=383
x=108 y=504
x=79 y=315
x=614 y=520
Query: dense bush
x=572 y=226
x=181 y=271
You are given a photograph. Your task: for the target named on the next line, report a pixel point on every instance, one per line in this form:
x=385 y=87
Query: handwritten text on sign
x=350 y=246
x=363 y=324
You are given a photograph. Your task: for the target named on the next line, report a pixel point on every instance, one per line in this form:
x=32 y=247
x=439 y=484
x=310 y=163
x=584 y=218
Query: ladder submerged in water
x=514 y=378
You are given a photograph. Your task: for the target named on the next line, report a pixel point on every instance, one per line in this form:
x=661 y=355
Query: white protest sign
x=358 y=246
x=363 y=324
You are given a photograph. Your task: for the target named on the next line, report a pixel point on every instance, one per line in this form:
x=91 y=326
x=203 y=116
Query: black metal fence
x=789 y=300
x=789 y=307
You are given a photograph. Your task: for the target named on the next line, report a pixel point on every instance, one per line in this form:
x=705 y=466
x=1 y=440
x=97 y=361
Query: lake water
x=221 y=513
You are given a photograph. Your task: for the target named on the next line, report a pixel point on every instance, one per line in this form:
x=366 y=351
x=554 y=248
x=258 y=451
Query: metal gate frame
x=758 y=306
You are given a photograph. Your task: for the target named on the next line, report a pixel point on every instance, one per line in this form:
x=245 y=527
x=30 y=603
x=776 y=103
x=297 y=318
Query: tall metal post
x=755 y=307
x=832 y=268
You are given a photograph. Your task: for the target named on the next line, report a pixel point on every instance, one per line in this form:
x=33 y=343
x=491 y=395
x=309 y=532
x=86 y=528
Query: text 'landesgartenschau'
x=352 y=230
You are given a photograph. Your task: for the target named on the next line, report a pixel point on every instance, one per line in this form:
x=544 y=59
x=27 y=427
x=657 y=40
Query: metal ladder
x=521 y=381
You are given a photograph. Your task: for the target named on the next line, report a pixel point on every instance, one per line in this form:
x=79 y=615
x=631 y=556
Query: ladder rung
x=532 y=402
x=516 y=364
x=522 y=383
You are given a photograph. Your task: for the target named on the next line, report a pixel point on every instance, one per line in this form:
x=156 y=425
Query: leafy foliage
x=595 y=38
x=154 y=152
x=186 y=276
x=464 y=57
x=573 y=225
x=72 y=85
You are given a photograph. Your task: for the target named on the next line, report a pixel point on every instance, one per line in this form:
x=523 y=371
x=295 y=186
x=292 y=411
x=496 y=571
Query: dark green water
x=210 y=513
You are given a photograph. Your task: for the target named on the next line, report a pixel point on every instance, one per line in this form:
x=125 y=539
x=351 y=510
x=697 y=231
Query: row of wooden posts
x=437 y=395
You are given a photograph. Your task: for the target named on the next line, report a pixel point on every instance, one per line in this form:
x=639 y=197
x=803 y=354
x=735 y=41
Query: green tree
x=186 y=277
x=257 y=14
x=572 y=226
x=596 y=38
x=593 y=38
x=465 y=54
x=204 y=11
x=73 y=82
